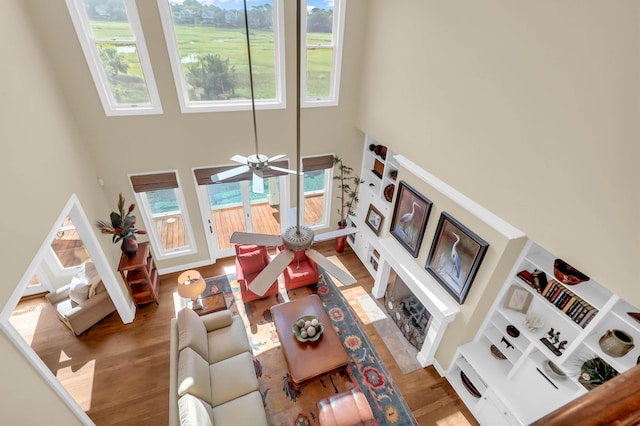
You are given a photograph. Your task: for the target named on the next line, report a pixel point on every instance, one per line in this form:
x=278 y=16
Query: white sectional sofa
x=213 y=380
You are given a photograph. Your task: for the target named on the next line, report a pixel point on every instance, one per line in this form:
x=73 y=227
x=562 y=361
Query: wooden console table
x=140 y=274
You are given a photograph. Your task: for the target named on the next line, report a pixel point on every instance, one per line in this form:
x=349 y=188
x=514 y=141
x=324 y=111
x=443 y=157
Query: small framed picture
x=455 y=256
x=374 y=219
x=410 y=217
x=518 y=299
x=352 y=237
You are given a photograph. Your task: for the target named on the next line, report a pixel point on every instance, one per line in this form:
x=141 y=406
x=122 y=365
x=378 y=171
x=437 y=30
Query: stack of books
x=576 y=308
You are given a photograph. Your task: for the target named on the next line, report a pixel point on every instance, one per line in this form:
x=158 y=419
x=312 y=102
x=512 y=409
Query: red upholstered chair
x=302 y=271
x=250 y=261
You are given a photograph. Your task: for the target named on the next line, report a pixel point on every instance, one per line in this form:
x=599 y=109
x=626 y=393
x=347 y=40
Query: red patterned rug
x=284 y=404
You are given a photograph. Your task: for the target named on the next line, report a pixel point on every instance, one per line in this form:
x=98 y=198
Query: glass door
x=234 y=207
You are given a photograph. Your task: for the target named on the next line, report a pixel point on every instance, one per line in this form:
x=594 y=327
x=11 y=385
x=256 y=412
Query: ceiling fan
x=256 y=163
x=296 y=237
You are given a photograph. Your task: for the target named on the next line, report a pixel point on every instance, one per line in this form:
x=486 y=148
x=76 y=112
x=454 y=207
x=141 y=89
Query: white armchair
x=83 y=302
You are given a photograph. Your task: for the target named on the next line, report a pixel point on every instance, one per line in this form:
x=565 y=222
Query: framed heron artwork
x=410 y=218
x=455 y=256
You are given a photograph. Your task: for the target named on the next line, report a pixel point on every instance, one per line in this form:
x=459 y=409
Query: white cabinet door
x=491 y=412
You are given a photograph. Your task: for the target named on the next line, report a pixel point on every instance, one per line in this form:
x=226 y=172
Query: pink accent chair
x=250 y=261
x=300 y=272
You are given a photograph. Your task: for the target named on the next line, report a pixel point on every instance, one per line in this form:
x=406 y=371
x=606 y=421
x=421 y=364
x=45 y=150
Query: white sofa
x=83 y=302
x=212 y=377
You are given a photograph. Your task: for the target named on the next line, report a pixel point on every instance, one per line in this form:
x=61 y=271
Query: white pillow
x=78 y=290
x=89 y=274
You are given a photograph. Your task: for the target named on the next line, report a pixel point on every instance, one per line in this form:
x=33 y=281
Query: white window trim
x=88 y=44
x=147 y=217
x=337 y=42
x=188 y=106
x=328 y=193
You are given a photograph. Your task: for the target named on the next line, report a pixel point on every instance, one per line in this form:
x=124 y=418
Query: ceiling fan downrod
x=299 y=237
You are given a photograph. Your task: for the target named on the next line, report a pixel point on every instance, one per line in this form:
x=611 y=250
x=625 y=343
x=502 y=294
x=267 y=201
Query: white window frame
x=328 y=193
x=337 y=38
x=147 y=218
x=188 y=106
x=89 y=43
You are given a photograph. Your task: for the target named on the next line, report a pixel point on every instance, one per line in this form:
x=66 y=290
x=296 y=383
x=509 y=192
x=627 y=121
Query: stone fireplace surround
x=442 y=308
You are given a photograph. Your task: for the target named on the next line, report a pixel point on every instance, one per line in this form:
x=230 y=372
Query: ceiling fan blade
x=276 y=157
x=257 y=184
x=219 y=177
x=267 y=240
x=240 y=159
x=342 y=276
x=281 y=169
x=336 y=233
x=270 y=273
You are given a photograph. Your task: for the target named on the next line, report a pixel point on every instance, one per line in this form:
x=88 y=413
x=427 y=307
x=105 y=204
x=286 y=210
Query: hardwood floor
x=119 y=373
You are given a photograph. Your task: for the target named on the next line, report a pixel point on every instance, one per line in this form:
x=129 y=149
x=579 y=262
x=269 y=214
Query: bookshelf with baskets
x=513 y=375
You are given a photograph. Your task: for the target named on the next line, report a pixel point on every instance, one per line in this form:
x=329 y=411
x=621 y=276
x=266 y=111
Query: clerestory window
x=322 y=30
x=208 y=52
x=111 y=37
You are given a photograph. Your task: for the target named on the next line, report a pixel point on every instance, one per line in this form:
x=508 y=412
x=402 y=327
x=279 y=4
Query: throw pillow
x=251 y=262
x=192 y=332
x=194 y=411
x=78 y=290
x=193 y=375
x=246 y=248
x=89 y=274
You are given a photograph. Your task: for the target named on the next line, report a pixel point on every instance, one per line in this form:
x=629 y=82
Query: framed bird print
x=455 y=256
x=410 y=218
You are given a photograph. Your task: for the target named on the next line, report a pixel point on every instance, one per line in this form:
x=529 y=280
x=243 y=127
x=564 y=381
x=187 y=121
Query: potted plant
x=595 y=371
x=122 y=227
x=348 y=184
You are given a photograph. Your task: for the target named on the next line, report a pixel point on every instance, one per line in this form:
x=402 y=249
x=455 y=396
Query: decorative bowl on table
x=307 y=328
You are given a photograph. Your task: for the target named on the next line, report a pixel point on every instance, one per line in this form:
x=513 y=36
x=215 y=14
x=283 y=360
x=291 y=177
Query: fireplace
x=406 y=310
x=414 y=294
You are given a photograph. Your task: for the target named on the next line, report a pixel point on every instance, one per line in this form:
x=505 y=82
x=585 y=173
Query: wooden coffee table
x=308 y=360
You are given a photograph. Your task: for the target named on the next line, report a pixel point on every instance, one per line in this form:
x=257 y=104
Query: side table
x=140 y=274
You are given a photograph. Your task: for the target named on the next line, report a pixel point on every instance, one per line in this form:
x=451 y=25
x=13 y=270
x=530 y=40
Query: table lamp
x=190 y=286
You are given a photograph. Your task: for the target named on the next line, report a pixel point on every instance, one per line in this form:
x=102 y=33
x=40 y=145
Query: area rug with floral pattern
x=285 y=404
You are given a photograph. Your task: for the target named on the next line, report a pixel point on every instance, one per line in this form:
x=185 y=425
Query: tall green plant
x=348 y=185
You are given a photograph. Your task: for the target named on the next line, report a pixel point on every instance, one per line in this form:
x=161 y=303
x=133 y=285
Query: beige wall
x=529 y=108
x=43 y=162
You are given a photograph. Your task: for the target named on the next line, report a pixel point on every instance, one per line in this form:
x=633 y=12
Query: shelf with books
x=547 y=361
x=590 y=291
x=562 y=297
x=562 y=327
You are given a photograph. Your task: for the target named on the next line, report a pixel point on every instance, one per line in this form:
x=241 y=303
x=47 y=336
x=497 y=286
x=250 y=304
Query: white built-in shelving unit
x=378 y=172
x=514 y=391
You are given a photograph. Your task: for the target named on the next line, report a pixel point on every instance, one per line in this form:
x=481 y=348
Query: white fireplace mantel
x=440 y=305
